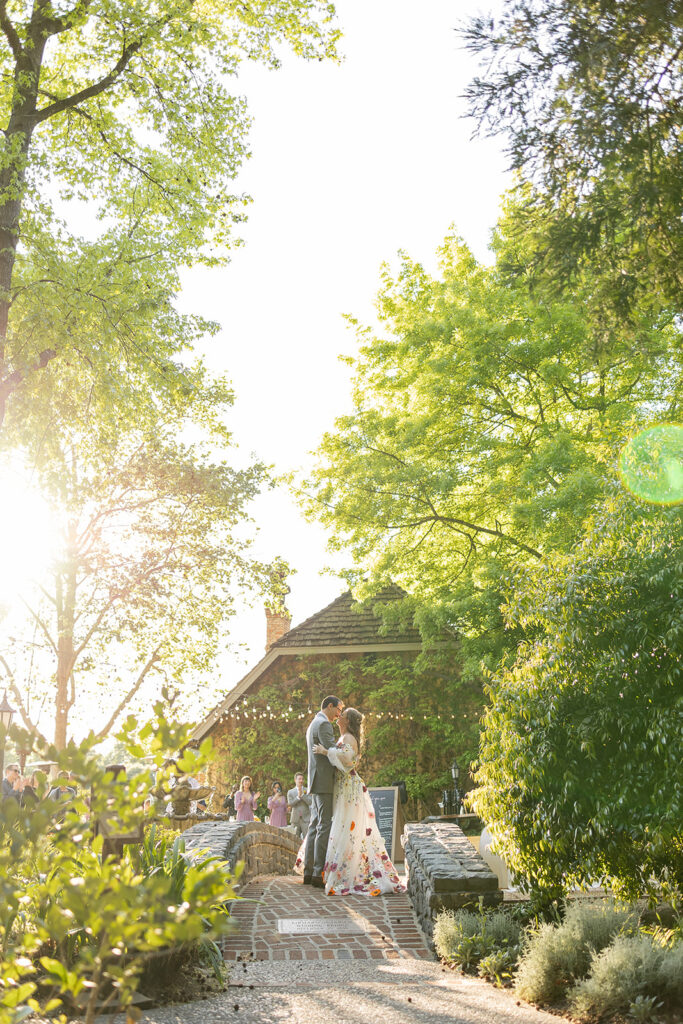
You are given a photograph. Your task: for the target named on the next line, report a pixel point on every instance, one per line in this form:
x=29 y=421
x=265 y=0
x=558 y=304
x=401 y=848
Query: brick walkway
x=385 y=928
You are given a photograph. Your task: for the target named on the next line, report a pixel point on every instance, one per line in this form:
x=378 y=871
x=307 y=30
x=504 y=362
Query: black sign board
x=385 y=803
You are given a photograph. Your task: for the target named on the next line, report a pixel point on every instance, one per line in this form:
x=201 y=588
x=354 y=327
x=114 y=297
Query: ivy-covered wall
x=418 y=717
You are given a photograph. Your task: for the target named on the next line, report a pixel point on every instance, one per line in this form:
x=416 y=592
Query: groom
x=320 y=786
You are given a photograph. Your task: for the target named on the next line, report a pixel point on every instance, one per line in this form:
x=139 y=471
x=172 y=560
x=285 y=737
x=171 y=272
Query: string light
x=291 y=716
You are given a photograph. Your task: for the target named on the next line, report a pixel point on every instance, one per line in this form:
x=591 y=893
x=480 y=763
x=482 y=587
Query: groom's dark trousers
x=320 y=786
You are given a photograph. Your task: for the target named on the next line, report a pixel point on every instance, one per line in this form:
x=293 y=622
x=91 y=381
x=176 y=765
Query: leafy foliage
x=123 y=110
x=590 y=95
x=486 y=939
x=580 y=757
x=76 y=930
x=486 y=422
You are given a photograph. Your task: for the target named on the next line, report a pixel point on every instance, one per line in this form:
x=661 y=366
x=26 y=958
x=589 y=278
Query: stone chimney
x=277 y=624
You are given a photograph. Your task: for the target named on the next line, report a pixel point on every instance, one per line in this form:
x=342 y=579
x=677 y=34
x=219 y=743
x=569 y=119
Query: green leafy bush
x=163 y=851
x=580 y=764
x=556 y=955
x=498 y=965
x=77 y=928
x=467 y=937
x=632 y=966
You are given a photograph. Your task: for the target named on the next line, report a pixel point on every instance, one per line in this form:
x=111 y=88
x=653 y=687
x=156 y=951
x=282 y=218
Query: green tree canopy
x=580 y=776
x=124 y=109
x=590 y=96
x=485 y=424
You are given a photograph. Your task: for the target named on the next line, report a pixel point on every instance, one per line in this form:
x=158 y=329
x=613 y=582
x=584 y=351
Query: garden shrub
x=498 y=965
x=632 y=966
x=466 y=937
x=670 y=978
x=580 y=756
x=78 y=929
x=557 y=955
x=163 y=851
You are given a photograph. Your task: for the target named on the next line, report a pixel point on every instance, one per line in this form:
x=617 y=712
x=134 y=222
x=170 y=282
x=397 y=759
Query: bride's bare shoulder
x=351 y=740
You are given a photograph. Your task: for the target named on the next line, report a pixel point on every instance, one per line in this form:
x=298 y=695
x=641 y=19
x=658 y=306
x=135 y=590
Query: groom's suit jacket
x=320 y=771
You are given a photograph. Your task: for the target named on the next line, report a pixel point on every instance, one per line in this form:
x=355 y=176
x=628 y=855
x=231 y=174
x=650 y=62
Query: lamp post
x=6 y=716
x=455 y=773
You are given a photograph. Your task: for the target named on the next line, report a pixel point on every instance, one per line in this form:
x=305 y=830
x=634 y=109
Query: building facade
x=418 y=715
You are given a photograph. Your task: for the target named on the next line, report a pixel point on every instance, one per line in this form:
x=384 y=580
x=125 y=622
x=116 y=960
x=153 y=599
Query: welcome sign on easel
x=385 y=800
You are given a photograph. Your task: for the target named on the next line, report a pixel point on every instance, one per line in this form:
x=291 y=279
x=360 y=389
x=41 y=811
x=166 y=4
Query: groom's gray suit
x=320 y=786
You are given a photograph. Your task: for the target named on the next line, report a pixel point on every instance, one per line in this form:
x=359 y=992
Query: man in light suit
x=320 y=786
x=299 y=802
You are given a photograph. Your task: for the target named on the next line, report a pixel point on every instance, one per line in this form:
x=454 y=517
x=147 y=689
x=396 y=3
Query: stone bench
x=265 y=850
x=445 y=872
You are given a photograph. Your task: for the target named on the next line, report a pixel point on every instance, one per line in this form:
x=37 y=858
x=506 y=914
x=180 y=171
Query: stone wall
x=445 y=872
x=265 y=850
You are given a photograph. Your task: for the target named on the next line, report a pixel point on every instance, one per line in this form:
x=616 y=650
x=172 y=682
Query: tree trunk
x=13 y=164
x=66 y=613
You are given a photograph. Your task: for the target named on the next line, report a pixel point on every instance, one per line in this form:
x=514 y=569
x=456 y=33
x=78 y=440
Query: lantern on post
x=6 y=716
x=455 y=774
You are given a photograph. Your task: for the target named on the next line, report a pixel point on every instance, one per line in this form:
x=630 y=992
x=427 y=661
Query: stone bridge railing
x=265 y=850
x=445 y=872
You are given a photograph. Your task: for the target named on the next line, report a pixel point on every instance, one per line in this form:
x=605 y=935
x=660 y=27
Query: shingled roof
x=344 y=623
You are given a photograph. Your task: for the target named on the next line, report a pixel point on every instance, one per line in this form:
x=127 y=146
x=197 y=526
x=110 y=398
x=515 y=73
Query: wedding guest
x=202 y=781
x=29 y=794
x=62 y=792
x=277 y=805
x=300 y=805
x=12 y=784
x=229 y=801
x=245 y=800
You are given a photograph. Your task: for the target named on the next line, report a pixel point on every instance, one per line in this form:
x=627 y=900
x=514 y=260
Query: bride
x=357 y=860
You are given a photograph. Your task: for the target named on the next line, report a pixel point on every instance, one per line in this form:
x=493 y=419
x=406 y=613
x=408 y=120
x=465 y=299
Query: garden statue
x=182 y=795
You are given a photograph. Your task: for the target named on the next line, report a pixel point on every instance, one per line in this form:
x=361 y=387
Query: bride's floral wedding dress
x=357 y=859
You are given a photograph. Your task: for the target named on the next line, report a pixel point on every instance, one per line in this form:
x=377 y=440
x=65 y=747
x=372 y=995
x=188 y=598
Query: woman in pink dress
x=277 y=805
x=245 y=800
x=357 y=860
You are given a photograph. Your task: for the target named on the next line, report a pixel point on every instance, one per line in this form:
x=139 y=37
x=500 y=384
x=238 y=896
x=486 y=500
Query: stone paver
x=389 y=926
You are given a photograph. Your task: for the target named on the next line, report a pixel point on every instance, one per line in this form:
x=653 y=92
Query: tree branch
x=92 y=90
x=55 y=25
x=10 y=31
x=131 y=693
x=19 y=699
x=12 y=382
x=40 y=623
x=452 y=521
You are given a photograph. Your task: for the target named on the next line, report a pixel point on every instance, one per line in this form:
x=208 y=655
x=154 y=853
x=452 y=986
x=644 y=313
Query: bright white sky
x=350 y=163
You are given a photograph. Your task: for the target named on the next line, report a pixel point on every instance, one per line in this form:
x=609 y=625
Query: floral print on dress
x=357 y=859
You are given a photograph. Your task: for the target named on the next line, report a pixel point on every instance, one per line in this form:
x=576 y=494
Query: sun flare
x=28 y=532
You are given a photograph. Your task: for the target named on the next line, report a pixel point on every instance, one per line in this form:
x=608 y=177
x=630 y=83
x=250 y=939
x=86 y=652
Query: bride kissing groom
x=343 y=852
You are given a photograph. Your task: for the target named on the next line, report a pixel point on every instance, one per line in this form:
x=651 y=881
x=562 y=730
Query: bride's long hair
x=354 y=721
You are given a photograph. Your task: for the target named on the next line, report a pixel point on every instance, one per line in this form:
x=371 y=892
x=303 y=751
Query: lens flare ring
x=651 y=464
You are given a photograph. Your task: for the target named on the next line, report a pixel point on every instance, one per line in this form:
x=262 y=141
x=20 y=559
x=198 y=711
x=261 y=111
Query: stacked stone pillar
x=445 y=872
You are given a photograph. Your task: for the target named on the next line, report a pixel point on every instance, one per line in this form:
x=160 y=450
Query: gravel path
x=390 y=992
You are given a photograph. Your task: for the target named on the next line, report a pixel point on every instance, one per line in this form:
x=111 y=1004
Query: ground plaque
x=319 y=926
